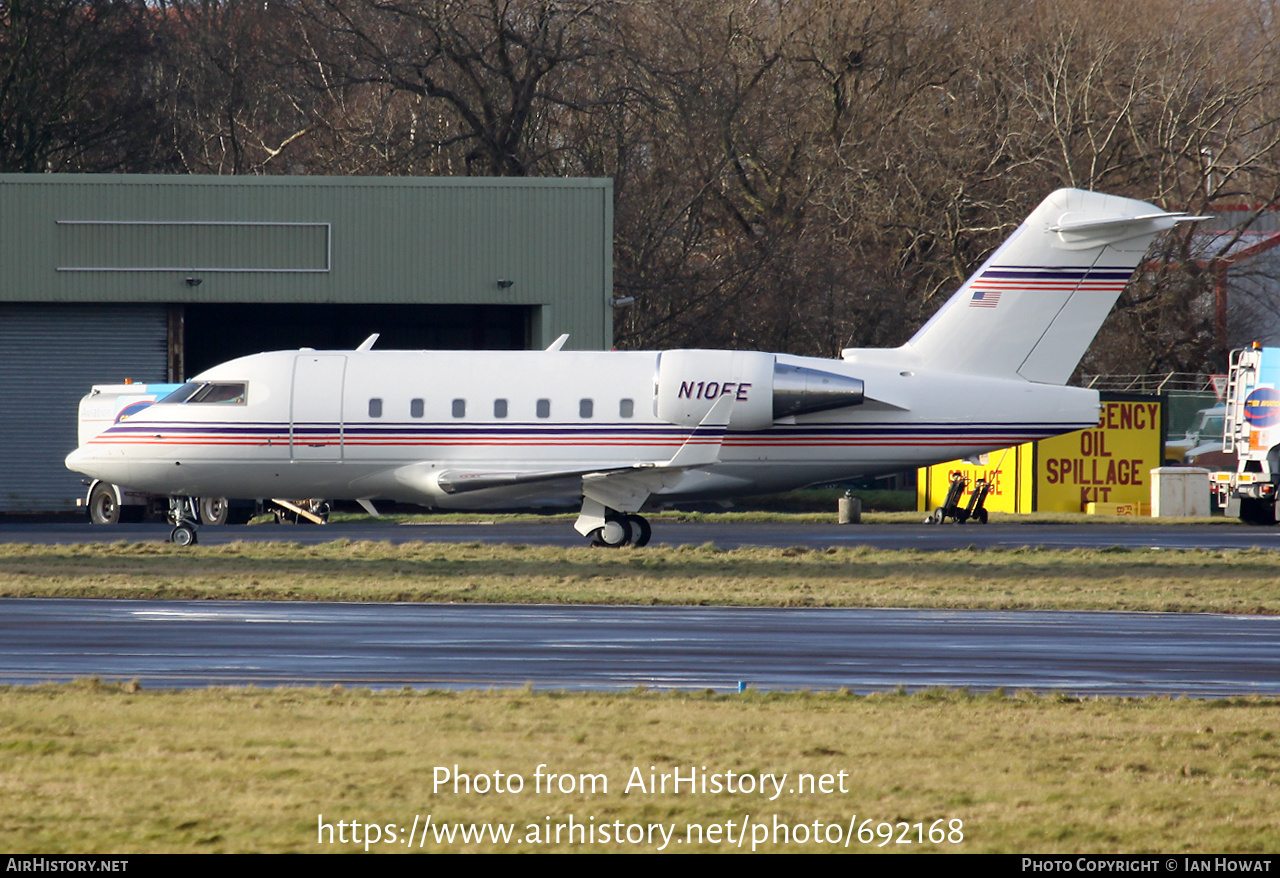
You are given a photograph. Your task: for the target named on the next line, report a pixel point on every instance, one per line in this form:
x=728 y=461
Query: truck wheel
x=213 y=510
x=1257 y=512
x=240 y=513
x=103 y=508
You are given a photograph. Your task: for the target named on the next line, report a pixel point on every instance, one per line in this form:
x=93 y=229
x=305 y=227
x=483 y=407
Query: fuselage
x=412 y=426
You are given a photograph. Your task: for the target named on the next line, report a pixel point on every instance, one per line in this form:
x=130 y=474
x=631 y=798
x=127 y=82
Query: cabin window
x=459 y=408
x=626 y=408
x=375 y=408
x=499 y=408
x=585 y=408
x=544 y=408
x=415 y=408
x=226 y=392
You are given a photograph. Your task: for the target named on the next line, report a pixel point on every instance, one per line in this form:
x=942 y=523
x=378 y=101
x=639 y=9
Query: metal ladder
x=1241 y=377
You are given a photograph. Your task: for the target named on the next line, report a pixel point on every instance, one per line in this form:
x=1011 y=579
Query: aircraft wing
x=463 y=482
x=624 y=488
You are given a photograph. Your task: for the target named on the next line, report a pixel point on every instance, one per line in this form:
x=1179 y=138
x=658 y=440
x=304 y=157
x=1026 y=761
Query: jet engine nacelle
x=689 y=383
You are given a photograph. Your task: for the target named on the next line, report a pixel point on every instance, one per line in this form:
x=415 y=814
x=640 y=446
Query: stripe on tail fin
x=1035 y=305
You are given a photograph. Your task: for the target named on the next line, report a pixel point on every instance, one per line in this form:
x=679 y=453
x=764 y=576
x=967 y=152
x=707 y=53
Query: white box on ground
x=1178 y=491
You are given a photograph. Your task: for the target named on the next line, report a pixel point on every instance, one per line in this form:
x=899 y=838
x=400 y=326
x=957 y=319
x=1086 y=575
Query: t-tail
x=1035 y=305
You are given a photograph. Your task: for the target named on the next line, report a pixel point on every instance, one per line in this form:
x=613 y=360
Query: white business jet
x=487 y=429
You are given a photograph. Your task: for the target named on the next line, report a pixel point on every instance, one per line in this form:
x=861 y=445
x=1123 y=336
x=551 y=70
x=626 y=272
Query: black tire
x=103 y=508
x=1261 y=513
x=213 y=510
x=640 y=530
x=183 y=535
x=980 y=516
x=939 y=516
x=241 y=513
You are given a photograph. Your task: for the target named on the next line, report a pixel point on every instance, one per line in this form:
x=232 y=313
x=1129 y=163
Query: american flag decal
x=984 y=297
x=996 y=280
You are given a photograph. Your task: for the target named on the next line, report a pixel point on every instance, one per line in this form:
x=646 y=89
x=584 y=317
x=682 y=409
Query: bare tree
x=490 y=75
x=800 y=176
x=230 y=105
x=73 y=85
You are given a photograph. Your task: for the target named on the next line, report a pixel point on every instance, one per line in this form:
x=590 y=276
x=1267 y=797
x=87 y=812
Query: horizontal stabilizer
x=1080 y=234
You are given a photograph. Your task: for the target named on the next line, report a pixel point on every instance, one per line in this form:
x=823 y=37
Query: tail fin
x=1035 y=305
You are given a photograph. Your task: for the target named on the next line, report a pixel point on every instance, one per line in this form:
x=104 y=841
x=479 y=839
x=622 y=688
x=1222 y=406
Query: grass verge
x=1238 y=581
x=89 y=767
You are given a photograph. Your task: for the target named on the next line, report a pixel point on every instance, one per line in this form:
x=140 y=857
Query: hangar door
x=217 y=332
x=52 y=354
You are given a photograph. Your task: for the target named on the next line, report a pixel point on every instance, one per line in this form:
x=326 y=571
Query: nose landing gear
x=182 y=512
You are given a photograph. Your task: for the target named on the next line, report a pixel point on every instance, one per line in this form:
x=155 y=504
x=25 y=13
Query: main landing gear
x=608 y=528
x=622 y=529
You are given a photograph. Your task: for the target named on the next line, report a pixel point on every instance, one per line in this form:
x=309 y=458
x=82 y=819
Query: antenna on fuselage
x=367 y=344
x=558 y=343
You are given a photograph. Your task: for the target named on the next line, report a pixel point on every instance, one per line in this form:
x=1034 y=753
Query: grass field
x=94 y=767
x=1102 y=579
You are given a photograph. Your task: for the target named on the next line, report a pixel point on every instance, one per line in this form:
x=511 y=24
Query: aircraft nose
x=75 y=459
x=84 y=460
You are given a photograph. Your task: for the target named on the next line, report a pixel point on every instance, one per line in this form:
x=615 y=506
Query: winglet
x=702 y=448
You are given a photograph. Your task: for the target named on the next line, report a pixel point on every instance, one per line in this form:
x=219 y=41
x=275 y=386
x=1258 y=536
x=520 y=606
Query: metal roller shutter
x=51 y=354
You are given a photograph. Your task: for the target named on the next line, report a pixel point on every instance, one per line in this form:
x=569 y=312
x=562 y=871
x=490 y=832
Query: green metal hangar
x=155 y=278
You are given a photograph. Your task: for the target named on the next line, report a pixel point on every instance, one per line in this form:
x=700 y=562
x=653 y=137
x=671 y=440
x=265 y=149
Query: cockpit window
x=229 y=392
x=183 y=393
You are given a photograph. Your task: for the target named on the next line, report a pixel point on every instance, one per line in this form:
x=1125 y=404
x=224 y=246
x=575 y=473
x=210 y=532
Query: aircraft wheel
x=615 y=534
x=213 y=510
x=183 y=535
x=1257 y=512
x=640 y=530
x=103 y=508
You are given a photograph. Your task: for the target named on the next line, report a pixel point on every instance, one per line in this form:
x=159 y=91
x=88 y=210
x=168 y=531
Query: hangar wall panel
x=52 y=355
x=130 y=238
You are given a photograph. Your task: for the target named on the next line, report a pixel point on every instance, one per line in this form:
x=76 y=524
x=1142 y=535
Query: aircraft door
x=315 y=409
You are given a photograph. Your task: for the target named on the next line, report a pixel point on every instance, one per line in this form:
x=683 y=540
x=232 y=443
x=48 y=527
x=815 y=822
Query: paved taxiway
x=199 y=643
x=196 y=643
x=724 y=535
